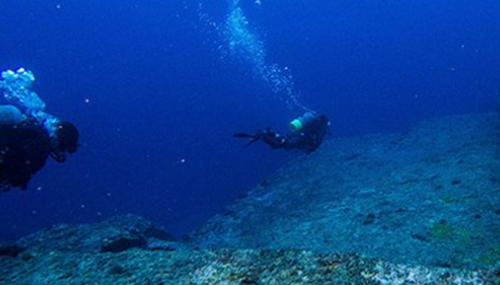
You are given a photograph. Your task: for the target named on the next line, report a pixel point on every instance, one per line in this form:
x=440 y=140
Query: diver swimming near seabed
x=28 y=135
x=306 y=133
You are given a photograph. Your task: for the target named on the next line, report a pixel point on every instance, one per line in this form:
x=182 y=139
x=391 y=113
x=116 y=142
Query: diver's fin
x=243 y=135
x=254 y=137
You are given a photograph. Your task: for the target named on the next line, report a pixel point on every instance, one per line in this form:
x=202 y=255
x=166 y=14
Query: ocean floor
x=428 y=197
x=415 y=208
x=131 y=250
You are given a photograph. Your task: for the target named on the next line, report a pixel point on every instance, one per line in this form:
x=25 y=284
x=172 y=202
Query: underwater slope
x=130 y=250
x=428 y=197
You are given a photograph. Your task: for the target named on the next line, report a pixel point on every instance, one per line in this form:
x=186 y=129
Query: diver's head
x=67 y=137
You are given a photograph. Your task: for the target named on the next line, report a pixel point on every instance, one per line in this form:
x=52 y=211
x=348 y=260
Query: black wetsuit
x=24 y=149
x=308 y=139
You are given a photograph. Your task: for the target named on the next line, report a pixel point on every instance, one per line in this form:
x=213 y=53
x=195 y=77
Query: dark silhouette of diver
x=306 y=134
x=25 y=146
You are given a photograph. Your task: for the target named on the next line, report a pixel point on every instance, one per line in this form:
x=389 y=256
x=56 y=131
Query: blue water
x=157 y=88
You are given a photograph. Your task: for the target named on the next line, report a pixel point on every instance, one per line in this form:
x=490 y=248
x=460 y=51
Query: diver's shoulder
x=26 y=130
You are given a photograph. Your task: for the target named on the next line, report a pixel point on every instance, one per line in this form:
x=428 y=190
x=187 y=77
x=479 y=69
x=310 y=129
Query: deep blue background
x=146 y=84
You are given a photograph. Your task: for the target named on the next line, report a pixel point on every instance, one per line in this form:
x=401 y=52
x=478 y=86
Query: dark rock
x=369 y=219
x=116 y=270
x=247 y=281
x=446 y=275
x=420 y=237
x=124 y=243
x=443 y=264
x=113 y=235
x=12 y=250
x=26 y=256
x=155 y=232
x=455 y=182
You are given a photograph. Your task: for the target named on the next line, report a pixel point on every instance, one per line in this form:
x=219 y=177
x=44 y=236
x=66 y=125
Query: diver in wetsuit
x=306 y=134
x=28 y=135
x=25 y=146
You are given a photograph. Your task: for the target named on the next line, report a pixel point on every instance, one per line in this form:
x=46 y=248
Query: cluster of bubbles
x=16 y=88
x=281 y=82
x=244 y=45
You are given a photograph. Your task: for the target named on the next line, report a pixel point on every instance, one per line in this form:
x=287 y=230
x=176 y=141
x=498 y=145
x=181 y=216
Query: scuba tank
x=298 y=124
x=10 y=115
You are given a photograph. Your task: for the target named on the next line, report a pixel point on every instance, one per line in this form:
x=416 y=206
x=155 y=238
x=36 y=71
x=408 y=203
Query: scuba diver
x=306 y=134
x=25 y=146
x=28 y=135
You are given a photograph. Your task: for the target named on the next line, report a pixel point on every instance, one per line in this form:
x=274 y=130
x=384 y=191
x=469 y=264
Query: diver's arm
x=274 y=140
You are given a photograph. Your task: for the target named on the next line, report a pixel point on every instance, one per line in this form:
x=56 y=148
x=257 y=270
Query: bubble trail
x=245 y=45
